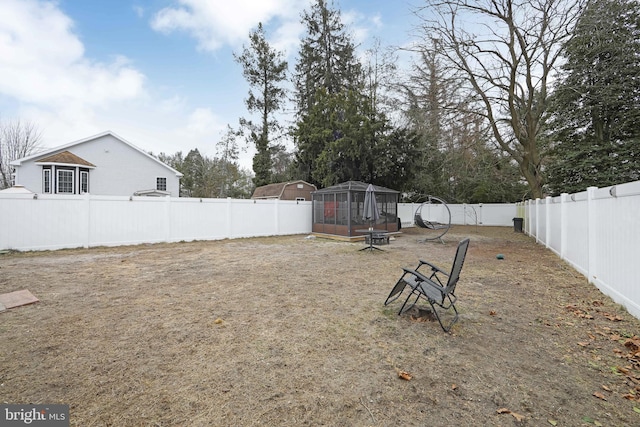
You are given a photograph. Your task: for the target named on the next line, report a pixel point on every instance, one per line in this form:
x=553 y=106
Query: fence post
x=547 y=221
x=276 y=211
x=592 y=243
x=87 y=206
x=564 y=198
x=537 y=220
x=167 y=218
x=228 y=219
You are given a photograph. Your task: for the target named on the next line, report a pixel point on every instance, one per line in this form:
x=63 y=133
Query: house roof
x=54 y=150
x=271 y=191
x=68 y=158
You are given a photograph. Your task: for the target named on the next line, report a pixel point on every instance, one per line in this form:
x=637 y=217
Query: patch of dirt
x=293 y=331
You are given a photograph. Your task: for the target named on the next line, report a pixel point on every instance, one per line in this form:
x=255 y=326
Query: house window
x=84 y=182
x=46 y=181
x=161 y=184
x=299 y=199
x=65 y=181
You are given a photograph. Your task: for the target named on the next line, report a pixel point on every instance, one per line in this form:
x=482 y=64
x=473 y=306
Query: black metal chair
x=437 y=286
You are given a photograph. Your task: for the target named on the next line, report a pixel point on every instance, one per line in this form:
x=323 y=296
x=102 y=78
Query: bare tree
x=507 y=51
x=17 y=139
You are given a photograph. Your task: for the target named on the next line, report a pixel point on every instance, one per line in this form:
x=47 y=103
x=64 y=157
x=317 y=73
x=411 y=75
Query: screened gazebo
x=338 y=209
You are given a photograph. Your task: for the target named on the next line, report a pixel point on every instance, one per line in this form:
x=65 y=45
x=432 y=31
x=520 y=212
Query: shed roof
x=357 y=186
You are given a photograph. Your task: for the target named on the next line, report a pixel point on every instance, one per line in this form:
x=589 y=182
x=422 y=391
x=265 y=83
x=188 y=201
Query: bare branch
x=506 y=50
x=17 y=139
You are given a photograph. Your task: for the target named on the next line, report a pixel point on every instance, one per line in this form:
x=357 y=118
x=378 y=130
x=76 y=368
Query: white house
x=104 y=164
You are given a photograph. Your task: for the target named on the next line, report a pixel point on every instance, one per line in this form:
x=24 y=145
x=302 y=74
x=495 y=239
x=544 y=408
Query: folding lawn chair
x=431 y=286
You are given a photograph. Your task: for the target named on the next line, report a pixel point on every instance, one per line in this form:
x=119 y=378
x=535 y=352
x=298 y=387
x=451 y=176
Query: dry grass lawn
x=292 y=331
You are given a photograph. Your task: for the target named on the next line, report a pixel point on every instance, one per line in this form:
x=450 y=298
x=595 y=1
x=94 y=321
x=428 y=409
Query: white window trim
x=82 y=174
x=58 y=171
x=165 y=183
x=46 y=172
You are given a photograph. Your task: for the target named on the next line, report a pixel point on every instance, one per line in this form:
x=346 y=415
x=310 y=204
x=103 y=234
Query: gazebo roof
x=357 y=186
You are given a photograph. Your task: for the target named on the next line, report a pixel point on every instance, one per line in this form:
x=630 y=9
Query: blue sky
x=159 y=73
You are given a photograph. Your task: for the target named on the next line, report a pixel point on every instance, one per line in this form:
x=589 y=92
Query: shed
x=337 y=210
x=295 y=190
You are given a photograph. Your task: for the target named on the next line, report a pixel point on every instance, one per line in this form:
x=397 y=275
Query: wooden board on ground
x=16 y=299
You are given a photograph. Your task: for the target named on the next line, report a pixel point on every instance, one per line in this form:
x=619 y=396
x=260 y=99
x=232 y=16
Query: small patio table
x=372 y=233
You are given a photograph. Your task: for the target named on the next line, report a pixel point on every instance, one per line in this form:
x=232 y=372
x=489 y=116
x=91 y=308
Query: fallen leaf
x=503 y=411
x=633 y=343
x=218 y=321
x=553 y=422
x=492 y=313
x=597 y=423
x=604 y=387
x=518 y=417
x=612 y=317
x=615 y=337
x=583 y=344
x=404 y=375
x=454 y=387
x=623 y=370
x=636 y=409
x=599 y=395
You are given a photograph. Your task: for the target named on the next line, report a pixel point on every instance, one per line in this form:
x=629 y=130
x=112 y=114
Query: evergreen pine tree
x=264 y=69
x=596 y=120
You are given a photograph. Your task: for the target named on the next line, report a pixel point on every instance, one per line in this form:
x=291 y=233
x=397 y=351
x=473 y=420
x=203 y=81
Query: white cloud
x=139 y=10
x=361 y=26
x=203 y=122
x=287 y=37
x=214 y=23
x=42 y=61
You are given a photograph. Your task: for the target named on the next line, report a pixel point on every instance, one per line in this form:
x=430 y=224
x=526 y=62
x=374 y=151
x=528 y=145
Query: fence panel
x=542 y=221
x=119 y=221
x=596 y=231
x=616 y=271
x=554 y=228
x=54 y=222
x=496 y=214
x=575 y=228
x=198 y=219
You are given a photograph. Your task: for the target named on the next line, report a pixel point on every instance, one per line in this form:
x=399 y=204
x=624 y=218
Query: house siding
x=120 y=169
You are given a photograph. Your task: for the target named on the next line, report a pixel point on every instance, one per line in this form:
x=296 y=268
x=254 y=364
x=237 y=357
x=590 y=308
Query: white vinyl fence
x=41 y=222
x=597 y=232
x=498 y=214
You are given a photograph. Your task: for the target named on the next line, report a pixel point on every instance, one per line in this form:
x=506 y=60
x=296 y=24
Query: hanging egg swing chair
x=434 y=216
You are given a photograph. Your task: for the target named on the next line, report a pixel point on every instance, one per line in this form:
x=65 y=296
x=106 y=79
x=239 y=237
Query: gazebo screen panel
x=342 y=209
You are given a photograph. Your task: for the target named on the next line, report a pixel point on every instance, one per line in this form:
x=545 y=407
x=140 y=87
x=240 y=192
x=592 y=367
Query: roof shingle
x=66 y=157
